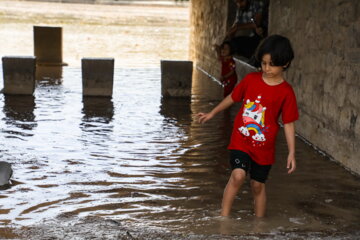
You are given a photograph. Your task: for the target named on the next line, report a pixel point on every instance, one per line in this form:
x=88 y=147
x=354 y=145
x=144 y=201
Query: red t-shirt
x=228 y=65
x=256 y=125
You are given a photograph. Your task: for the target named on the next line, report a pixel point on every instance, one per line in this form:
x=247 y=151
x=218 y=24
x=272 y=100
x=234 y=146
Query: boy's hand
x=291 y=163
x=204 y=117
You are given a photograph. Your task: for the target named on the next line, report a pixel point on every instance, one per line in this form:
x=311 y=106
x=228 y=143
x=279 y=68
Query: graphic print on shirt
x=254 y=120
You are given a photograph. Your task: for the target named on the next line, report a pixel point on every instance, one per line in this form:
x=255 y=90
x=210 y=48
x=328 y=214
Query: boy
x=252 y=144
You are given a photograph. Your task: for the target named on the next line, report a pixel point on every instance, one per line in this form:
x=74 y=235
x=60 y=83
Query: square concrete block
x=97 y=76
x=48 y=45
x=19 y=75
x=176 y=78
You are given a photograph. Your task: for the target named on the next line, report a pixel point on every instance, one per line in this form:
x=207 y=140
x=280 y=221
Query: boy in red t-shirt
x=228 y=74
x=265 y=96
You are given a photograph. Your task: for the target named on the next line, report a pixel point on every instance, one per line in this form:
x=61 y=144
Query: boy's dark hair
x=231 y=47
x=279 y=48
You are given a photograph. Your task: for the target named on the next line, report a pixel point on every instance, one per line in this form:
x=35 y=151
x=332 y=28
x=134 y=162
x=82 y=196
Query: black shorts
x=240 y=159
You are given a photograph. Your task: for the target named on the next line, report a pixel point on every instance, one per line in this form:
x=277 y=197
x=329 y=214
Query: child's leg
x=259 y=174
x=236 y=180
x=259 y=193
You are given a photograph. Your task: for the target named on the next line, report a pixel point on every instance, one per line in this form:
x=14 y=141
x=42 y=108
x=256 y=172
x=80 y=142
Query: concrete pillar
x=19 y=75
x=176 y=78
x=48 y=45
x=51 y=75
x=97 y=76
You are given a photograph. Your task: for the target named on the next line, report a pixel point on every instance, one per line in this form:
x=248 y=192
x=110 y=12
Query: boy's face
x=225 y=50
x=269 y=69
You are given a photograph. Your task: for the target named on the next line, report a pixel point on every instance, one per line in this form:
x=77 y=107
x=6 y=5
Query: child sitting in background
x=228 y=74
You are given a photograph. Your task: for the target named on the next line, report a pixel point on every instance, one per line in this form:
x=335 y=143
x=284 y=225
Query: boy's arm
x=289 y=129
x=227 y=102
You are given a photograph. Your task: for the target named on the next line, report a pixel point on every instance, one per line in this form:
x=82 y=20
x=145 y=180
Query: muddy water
x=140 y=161
x=144 y=161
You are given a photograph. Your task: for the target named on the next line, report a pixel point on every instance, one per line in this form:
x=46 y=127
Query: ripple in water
x=144 y=160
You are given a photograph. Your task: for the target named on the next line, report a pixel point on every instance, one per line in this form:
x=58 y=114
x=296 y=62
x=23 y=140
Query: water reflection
x=96 y=126
x=19 y=114
x=176 y=109
x=99 y=109
x=49 y=75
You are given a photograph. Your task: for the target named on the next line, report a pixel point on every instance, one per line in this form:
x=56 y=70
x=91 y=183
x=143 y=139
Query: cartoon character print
x=253 y=118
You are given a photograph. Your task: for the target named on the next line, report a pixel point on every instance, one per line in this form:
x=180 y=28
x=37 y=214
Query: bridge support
x=19 y=75
x=97 y=76
x=176 y=78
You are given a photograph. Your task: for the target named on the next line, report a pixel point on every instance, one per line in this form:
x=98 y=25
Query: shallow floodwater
x=144 y=161
x=139 y=159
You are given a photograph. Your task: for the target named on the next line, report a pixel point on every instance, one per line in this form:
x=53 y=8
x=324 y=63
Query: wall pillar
x=49 y=74
x=97 y=76
x=176 y=78
x=19 y=75
x=48 y=45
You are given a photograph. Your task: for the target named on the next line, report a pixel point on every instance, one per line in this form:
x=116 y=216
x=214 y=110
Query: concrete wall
x=325 y=73
x=208 y=21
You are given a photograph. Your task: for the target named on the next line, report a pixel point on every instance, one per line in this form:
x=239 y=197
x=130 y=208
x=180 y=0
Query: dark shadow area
x=96 y=125
x=247 y=25
x=12 y=183
x=49 y=75
x=19 y=112
x=99 y=109
x=5 y=187
x=178 y=109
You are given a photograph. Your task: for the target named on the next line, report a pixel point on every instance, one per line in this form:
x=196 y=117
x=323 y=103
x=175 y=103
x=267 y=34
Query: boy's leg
x=258 y=175
x=240 y=162
x=259 y=194
x=236 y=180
